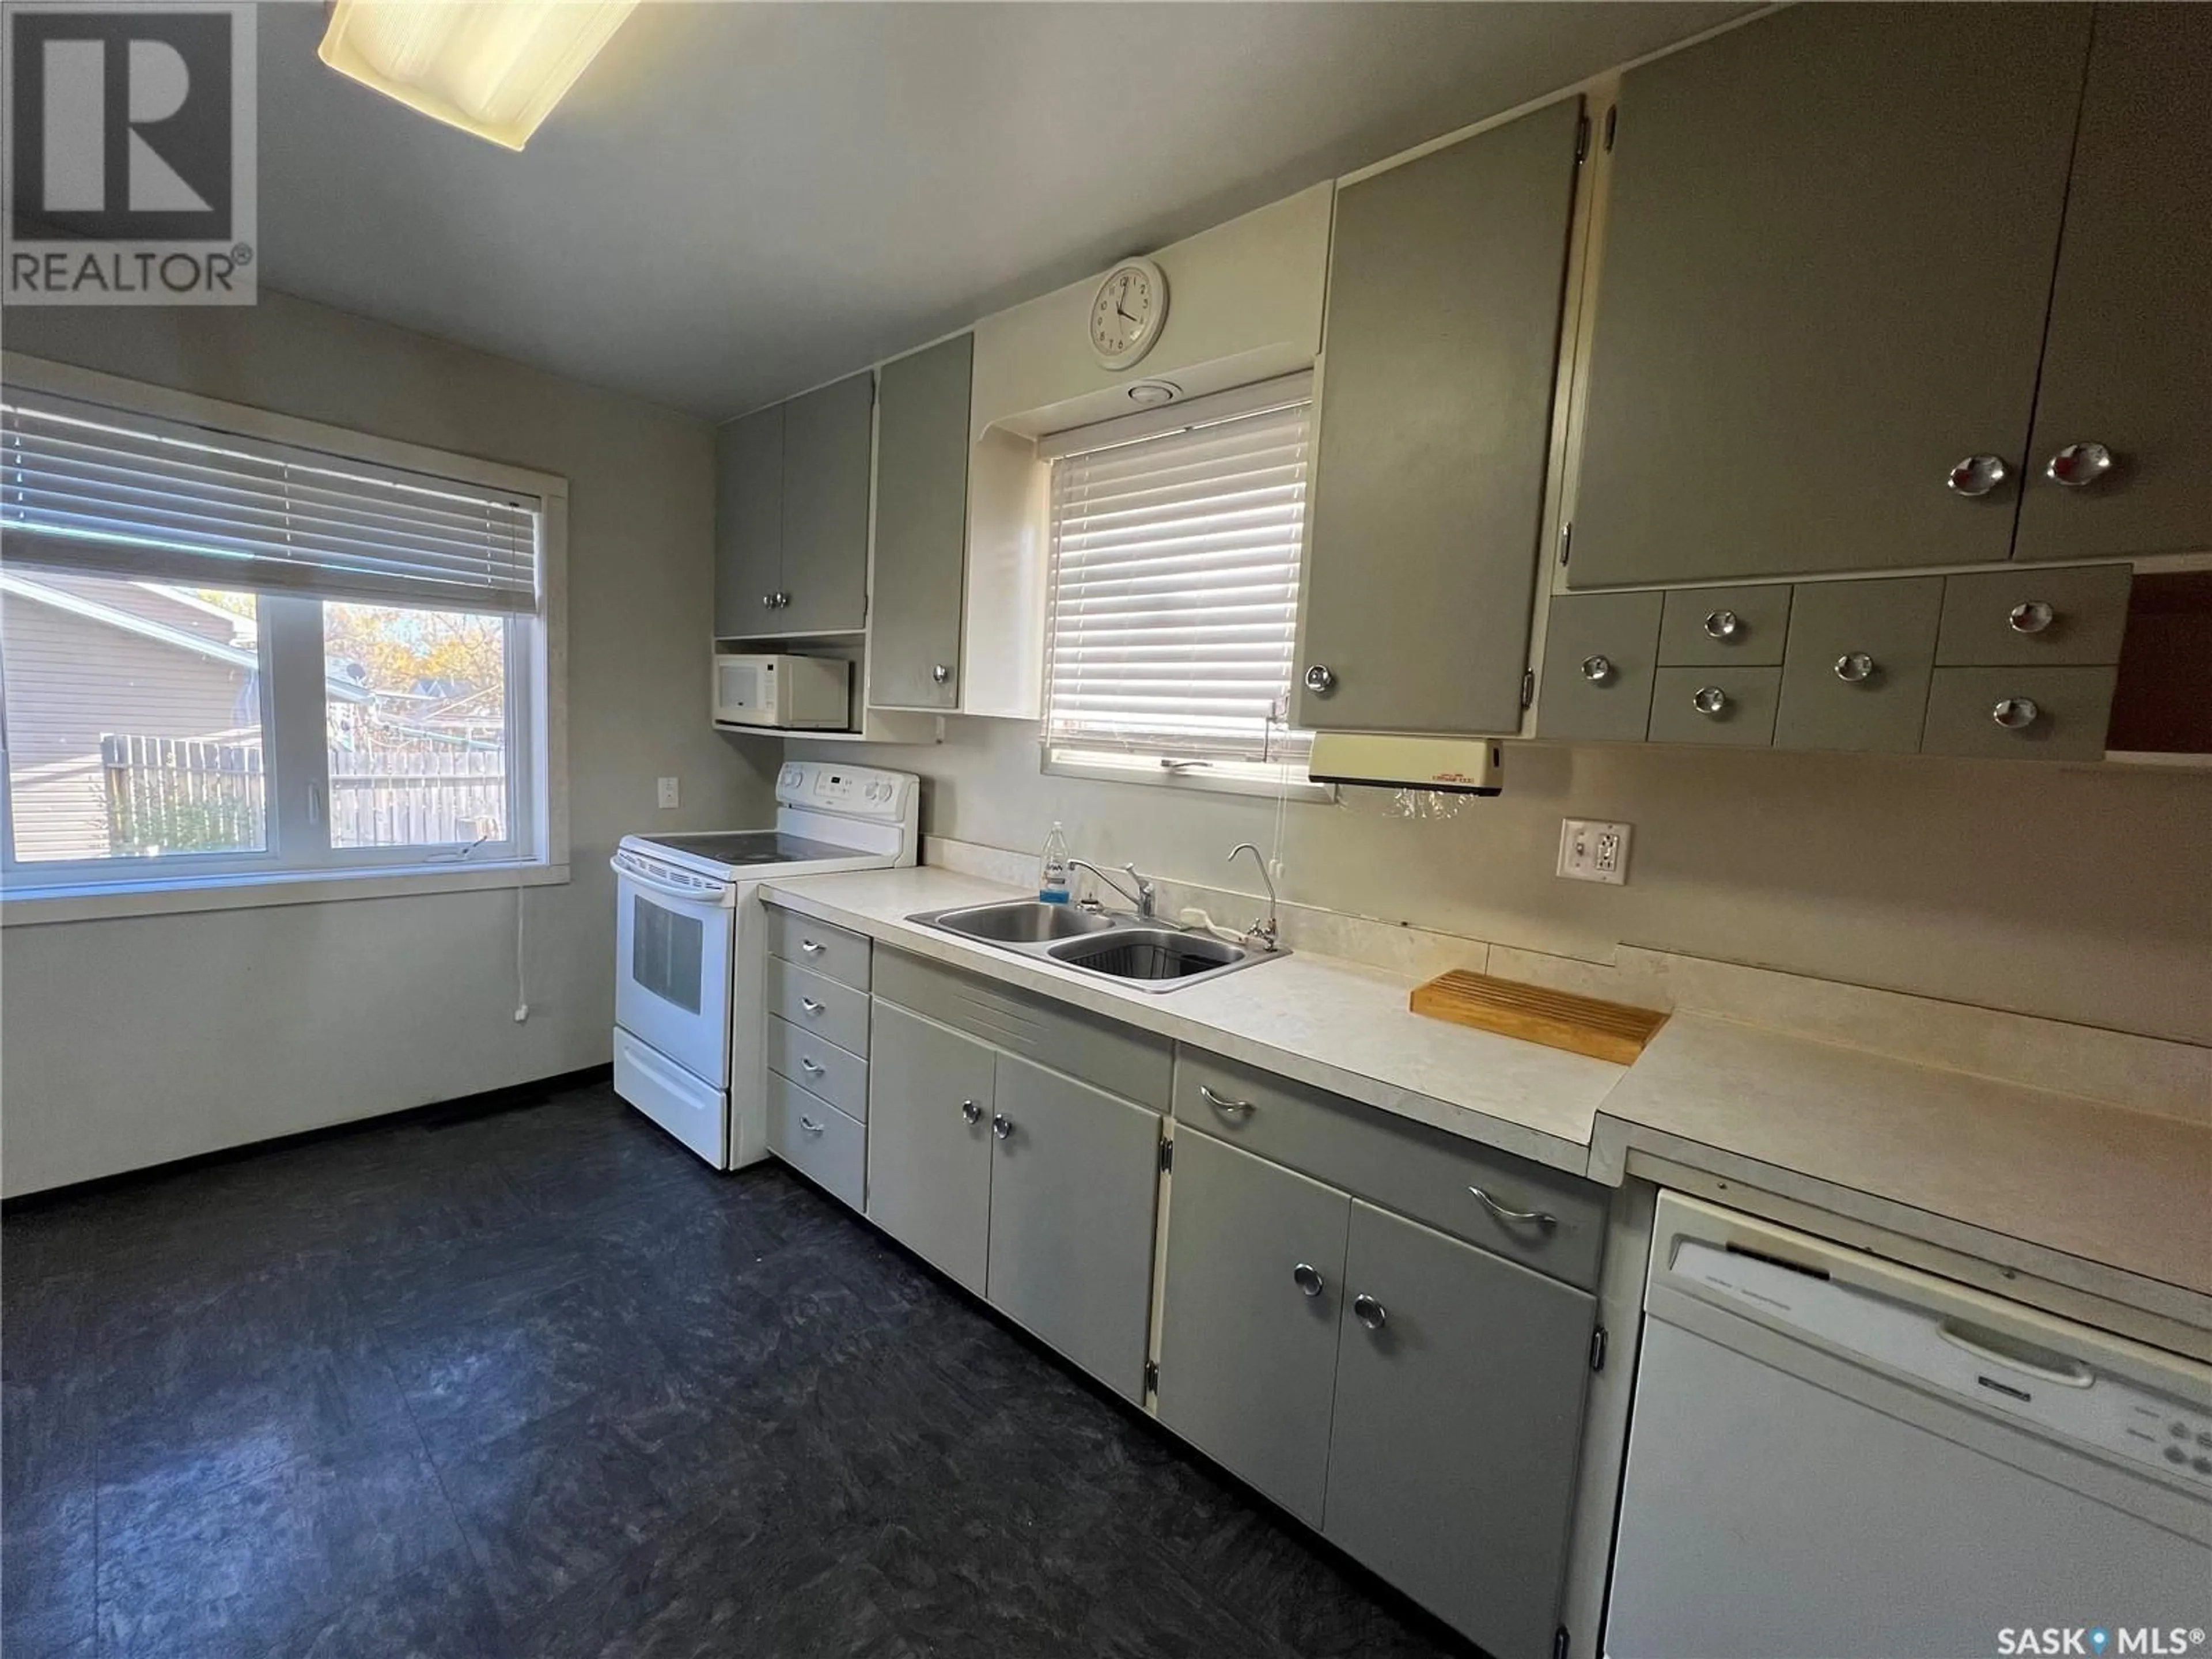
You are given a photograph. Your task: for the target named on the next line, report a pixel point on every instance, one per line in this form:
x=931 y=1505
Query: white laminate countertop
x=1992 y=1161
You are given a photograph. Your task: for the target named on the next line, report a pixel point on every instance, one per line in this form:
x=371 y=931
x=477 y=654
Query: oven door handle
x=666 y=888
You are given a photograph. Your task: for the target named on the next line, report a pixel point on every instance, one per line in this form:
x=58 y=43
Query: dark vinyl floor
x=537 y=1383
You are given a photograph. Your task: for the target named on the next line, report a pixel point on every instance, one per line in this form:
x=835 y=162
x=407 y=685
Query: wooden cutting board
x=1559 y=1019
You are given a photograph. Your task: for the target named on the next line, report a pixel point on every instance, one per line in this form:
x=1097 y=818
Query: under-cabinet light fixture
x=494 y=68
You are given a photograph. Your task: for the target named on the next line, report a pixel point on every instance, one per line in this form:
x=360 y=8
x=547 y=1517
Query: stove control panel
x=858 y=792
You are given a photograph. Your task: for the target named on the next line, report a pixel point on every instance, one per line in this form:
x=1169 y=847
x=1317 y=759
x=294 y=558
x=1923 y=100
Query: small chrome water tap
x=1263 y=934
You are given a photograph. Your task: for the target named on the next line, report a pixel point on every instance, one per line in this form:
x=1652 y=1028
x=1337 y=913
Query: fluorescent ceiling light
x=494 y=68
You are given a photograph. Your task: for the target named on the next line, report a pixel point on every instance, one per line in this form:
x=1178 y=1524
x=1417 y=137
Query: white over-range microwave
x=799 y=692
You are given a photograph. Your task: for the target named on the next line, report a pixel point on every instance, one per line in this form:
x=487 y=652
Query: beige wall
x=128 y=1043
x=2066 y=891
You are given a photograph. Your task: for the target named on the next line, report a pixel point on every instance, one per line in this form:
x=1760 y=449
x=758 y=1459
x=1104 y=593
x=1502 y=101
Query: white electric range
x=690 y=947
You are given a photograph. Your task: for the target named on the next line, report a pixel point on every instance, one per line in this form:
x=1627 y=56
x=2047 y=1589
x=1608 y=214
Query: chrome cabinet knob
x=1307 y=1279
x=1321 y=680
x=1977 y=475
x=1001 y=1125
x=1597 y=670
x=767 y=601
x=1709 y=700
x=2031 y=616
x=2079 y=465
x=971 y=1111
x=2015 y=714
x=1723 y=625
x=942 y=673
x=1855 y=668
x=1369 y=1312
x=810 y=1126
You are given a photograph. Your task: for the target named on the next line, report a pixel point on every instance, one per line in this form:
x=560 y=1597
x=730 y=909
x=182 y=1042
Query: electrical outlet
x=668 y=796
x=1591 y=851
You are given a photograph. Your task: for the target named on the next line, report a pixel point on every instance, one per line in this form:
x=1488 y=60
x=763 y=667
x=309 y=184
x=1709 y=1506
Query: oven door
x=672 y=951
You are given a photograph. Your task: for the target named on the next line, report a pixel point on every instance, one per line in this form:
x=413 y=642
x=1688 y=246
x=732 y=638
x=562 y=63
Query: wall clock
x=1130 y=309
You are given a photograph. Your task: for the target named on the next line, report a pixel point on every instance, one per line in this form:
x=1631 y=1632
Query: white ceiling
x=737 y=201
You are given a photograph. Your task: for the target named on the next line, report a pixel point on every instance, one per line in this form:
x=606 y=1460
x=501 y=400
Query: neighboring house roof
x=22 y=586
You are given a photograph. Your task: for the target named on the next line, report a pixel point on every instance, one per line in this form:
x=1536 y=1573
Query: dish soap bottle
x=1052 y=868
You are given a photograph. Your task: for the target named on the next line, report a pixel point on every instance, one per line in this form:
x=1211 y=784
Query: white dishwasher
x=1831 y=1456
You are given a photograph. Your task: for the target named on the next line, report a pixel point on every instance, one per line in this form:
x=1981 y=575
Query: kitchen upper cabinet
x=1459 y=1407
x=929 y=1141
x=1827 y=248
x=1248 y=1319
x=1446 y=281
x=2128 y=357
x=1074 y=1173
x=791 y=514
x=748 y=523
x=828 y=439
x=921 y=527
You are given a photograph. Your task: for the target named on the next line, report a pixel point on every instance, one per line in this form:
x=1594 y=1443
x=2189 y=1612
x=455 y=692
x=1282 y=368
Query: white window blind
x=1175 y=589
x=93 y=489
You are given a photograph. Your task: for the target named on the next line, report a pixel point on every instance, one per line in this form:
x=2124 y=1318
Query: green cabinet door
x=828 y=440
x=921 y=527
x=1827 y=253
x=2130 y=352
x=1074 y=1171
x=1445 y=284
x=1856 y=675
x=1248 y=1317
x=749 y=523
x=929 y=1140
x=1459 y=1410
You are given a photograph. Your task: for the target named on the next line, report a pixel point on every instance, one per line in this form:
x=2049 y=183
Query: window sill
x=1226 y=779
x=93 y=901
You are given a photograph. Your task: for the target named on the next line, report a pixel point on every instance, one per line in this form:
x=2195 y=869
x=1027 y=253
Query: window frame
x=291 y=640
x=1062 y=755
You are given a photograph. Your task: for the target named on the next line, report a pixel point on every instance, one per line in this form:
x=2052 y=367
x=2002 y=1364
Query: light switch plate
x=668 y=795
x=1591 y=851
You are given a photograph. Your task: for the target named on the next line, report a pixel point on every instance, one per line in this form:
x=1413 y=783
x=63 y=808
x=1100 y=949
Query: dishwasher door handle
x=2051 y=1367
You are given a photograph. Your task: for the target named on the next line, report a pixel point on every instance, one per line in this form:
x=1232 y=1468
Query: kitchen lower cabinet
x=921 y=527
x=1446 y=282
x=929 y=1141
x=1248 y=1319
x=2129 y=352
x=1827 y=240
x=1074 y=1179
x=1459 y=1379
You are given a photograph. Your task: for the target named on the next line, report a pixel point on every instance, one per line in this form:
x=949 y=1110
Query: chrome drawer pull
x=2015 y=714
x=1222 y=1103
x=811 y=947
x=810 y=1005
x=1307 y=1279
x=1597 y=670
x=1855 y=668
x=812 y=1066
x=1369 y=1312
x=810 y=1126
x=2031 y=616
x=1709 y=700
x=1543 y=1219
x=1723 y=625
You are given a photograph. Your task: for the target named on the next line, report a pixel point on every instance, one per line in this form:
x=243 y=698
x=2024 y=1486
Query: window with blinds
x=87 y=489
x=1174 y=596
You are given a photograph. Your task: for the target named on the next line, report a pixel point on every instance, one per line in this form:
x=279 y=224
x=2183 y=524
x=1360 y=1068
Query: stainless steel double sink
x=1145 y=955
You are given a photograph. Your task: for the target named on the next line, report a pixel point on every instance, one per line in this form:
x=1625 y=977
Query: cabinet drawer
x=1134 y=1065
x=1710 y=626
x=818 y=1006
x=1744 y=714
x=842 y=956
x=1599 y=649
x=1405 y=1166
x=1855 y=674
x=819 y=1066
x=2072 y=707
x=818 y=1140
x=1997 y=617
